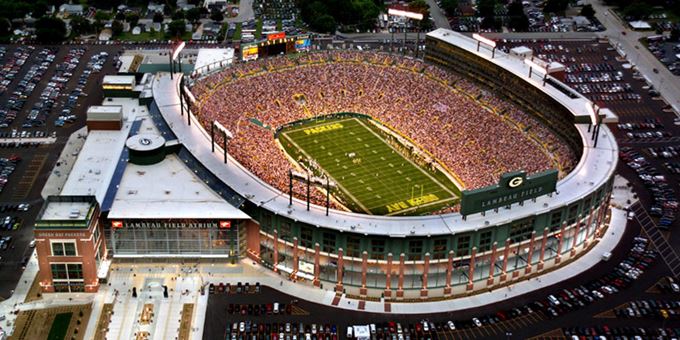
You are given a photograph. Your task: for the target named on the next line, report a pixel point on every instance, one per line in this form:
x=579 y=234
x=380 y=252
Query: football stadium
x=396 y=177
x=368 y=173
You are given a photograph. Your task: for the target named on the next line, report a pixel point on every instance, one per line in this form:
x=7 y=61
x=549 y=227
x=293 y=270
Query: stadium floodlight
x=532 y=65
x=480 y=39
x=224 y=130
x=226 y=136
x=300 y=175
x=174 y=54
x=590 y=109
x=409 y=15
x=189 y=95
x=405 y=14
x=484 y=40
x=177 y=49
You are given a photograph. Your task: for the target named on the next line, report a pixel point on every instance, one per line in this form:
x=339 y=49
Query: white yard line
x=327 y=174
x=409 y=160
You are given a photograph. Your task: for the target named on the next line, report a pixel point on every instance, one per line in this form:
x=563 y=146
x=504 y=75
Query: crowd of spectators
x=469 y=130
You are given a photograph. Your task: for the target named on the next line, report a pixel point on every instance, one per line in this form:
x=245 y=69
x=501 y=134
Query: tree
x=132 y=19
x=158 y=17
x=5 y=27
x=80 y=25
x=637 y=10
x=216 y=15
x=486 y=10
x=555 y=6
x=588 y=11
x=178 y=15
x=450 y=6
x=116 y=28
x=518 y=19
x=39 y=9
x=193 y=15
x=675 y=34
x=50 y=30
x=423 y=8
x=14 y=9
x=177 y=28
x=325 y=24
x=348 y=14
x=102 y=16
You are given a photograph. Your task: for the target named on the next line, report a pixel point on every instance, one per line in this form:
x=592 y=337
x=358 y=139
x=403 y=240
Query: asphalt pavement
x=32 y=171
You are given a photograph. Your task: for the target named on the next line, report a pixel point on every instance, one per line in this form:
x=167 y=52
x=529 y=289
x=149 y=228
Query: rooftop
x=96 y=162
x=119 y=80
x=75 y=211
x=168 y=190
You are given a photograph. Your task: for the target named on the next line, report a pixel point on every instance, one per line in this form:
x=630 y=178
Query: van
x=606 y=256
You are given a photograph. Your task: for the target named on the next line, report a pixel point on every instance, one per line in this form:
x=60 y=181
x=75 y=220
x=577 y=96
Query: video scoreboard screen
x=276 y=43
x=250 y=52
x=303 y=44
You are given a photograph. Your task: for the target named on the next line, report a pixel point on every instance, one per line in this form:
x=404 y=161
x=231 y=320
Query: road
x=440 y=19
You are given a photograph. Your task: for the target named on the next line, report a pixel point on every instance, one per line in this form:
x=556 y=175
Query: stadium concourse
x=469 y=130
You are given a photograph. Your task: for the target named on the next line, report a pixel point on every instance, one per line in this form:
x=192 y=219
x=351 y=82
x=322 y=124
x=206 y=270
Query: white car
x=242 y=327
x=451 y=325
x=477 y=322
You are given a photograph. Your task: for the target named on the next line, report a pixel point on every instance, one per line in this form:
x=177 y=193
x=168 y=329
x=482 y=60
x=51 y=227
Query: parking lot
x=37 y=86
x=666 y=52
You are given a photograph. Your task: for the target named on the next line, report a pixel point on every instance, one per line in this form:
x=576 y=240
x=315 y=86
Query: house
x=69 y=9
x=153 y=8
x=581 y=22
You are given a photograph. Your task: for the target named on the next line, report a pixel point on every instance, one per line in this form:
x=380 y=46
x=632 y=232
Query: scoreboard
x=250 y=52
x=276 y=43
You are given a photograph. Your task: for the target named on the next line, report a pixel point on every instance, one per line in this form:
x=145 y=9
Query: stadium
x=409 y=197
x=367 y=173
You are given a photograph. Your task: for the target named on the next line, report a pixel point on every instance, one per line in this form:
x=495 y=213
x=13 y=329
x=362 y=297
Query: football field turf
x=372 y=176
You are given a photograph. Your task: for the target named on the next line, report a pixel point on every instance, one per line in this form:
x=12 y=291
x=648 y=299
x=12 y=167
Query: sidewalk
x=7 y=307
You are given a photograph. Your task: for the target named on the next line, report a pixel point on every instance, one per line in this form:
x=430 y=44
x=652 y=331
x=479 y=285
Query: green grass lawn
x=144 y=36
x=60 y=326
x=372 y=176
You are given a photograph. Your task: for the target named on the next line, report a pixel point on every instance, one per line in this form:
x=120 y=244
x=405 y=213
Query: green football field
x=372 y=176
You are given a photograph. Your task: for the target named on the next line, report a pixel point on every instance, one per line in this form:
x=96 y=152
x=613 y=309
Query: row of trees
x=326 y=15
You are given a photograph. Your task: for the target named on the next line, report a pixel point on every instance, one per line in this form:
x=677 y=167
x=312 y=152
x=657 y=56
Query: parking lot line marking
x=517 y=323
x=25 y=183
x=485 y=330
x=498 y=326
